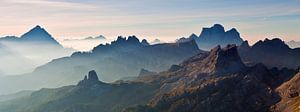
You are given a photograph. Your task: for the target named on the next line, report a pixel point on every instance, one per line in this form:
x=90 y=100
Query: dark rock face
x=90 y=79
x=216 y=35
x=272 y=53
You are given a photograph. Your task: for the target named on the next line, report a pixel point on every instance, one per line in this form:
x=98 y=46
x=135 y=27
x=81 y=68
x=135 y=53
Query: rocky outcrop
x=90 y=79
x=218 y=61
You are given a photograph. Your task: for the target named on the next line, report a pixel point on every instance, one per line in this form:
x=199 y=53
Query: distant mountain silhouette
x=32 y=49
x=214 y=36
x=272 y=53
x=100 y=37
x=211 y=82
x=124 y=57
x=293 y=44
x=156 y=41
x=90 y=79
x=36 y=34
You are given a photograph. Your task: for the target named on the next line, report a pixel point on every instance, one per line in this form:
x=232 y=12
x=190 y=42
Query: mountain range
x=215 y=81
x=124 y=57
x=228 y=75
x=32 y=49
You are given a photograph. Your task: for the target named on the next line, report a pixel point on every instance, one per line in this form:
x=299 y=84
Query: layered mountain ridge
x=124 y=57
x=273 y=53
x=217 y=81
x=34 y=48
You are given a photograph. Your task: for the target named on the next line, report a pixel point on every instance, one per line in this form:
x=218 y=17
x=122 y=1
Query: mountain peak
x=219 y=61
x=218 y=27
x=268 y=44
x=145 y=42
x=90 y=79
x=216 y=35
x=39 y=34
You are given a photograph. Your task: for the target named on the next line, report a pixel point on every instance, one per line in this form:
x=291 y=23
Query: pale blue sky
x=163 y=19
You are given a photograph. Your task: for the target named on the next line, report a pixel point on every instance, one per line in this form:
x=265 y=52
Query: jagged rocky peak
x=133 y=39
x=216 y=35
x=275 y=43
x=130 y=40
x=222 y=61
x=90 y=79
x=145 y=42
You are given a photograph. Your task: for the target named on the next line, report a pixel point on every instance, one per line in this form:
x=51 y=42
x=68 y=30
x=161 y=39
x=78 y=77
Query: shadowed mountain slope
x=272 y=53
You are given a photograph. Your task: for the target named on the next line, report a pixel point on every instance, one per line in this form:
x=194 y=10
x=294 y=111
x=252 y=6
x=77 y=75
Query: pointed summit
x=39 y=34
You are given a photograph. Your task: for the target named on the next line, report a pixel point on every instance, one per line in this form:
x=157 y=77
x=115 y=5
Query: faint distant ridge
x=294 y=44
x=157 y=41
x=214 y=36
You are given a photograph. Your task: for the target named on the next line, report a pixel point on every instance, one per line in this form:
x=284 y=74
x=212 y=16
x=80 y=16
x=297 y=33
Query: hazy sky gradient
x=163 y=19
